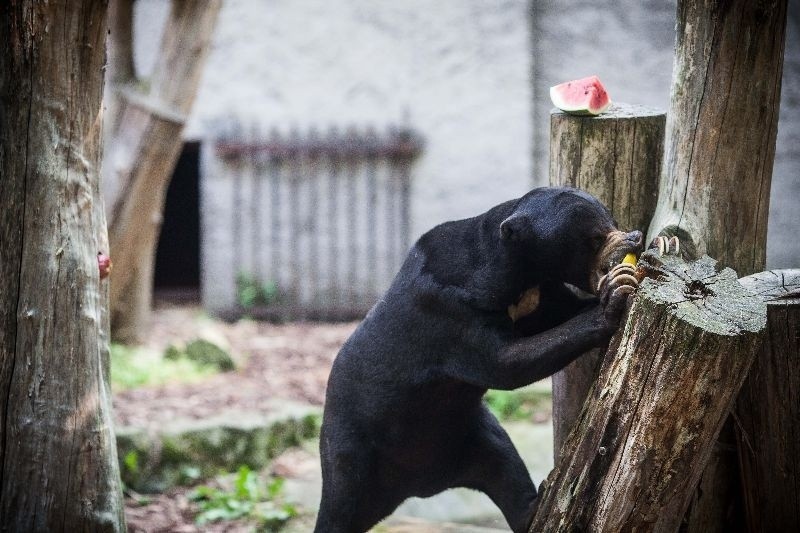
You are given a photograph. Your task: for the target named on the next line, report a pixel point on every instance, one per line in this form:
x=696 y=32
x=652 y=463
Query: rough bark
x=768 y=409
x=142 y=153
x=721 y=129
x=715 y=181
x=665 y=388
x=616 y=157
x=58 y=462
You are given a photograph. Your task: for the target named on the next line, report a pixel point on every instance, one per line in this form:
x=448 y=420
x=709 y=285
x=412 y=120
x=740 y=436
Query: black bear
x=479 y=303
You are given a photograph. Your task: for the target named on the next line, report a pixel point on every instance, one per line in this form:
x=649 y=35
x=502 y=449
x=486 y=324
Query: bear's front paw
x=614 y=289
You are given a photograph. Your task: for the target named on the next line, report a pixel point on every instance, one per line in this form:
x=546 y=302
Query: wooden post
x=58 y=458
x=768 y=409
x=721 y=129
x=664 y=391
x=715 y=181
x=142 y=152
x=615 y=157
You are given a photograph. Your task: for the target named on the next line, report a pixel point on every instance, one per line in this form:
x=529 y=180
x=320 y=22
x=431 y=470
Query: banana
x=630 y=259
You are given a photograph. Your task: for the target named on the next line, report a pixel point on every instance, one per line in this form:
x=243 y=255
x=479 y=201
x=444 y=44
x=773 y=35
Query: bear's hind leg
x=352 y=497
x=493 y=466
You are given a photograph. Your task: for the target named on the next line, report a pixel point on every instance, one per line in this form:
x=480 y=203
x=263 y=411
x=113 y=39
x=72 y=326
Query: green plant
x=137 y=367
x=131 y=461
x=206 y=353
x=519 y=404
x=248 y=498
x=250 y=292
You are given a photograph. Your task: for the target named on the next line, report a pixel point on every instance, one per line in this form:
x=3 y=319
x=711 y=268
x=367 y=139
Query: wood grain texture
x=721 y=129
x=58 y=461
x=768 y=409
x=665 y=388
x=715 y=181
x=616 y=157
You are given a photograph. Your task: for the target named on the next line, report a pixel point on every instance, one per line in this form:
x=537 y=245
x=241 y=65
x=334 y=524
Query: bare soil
x=287 y=361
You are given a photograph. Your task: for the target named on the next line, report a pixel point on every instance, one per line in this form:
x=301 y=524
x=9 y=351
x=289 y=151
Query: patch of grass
x=249 y=497
x=520 y=404
x=133 y=367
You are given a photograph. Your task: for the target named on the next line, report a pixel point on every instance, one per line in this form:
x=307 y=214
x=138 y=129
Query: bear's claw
x=621 y=274
x=666 y=245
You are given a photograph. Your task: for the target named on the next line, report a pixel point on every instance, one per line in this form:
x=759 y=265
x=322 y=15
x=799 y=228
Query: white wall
x=455 y=70
x=460 y=70
x=629 y=44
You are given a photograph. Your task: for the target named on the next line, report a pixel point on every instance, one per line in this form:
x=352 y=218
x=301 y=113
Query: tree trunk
x=664 y=391
x=721 y=129
x=615 y=157
x=715 y=182
x=143 y=151
x=768 y=409
x=58 y=462
x=120 y=66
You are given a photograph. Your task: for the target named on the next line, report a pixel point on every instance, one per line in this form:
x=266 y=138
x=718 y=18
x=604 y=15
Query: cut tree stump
x=665 y=388
x=617 y=158
x=768 y=409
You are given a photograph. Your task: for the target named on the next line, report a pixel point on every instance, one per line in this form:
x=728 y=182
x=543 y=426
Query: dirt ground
x=290 y=361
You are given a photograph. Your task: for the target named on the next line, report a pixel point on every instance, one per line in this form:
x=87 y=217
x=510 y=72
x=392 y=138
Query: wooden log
x=58 y=458
x=142 y=152
x=768 y=409
x=721 y=130
x=615 y=157
x=715 y=181
x=665 y=388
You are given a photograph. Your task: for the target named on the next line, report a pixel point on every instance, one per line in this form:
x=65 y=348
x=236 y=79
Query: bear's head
x=566 y=235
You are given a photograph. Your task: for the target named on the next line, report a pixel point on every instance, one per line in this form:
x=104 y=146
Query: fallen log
x=666 y=386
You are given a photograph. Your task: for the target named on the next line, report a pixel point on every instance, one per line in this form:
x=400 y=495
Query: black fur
x=404 y=414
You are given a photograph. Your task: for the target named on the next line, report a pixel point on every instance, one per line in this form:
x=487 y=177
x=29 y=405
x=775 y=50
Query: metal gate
x=319 y=224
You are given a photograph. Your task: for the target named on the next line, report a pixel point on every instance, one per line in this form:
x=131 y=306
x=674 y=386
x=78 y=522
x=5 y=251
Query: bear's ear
x=514 y=227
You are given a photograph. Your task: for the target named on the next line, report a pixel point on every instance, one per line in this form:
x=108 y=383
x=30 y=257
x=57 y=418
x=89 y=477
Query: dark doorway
x=177 y=274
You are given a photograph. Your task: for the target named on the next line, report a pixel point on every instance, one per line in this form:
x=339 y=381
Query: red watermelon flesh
x=585 y=96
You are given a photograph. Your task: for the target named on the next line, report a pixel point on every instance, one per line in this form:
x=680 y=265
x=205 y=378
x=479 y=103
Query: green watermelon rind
x=572 y=110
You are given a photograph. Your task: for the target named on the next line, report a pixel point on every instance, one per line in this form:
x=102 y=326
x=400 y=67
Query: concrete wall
x=461 y=72
x=629 y=44
x=783 y=244
x=456 y=70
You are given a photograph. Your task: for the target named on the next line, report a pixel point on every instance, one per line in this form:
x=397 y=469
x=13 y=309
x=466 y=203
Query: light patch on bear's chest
x=526 y=305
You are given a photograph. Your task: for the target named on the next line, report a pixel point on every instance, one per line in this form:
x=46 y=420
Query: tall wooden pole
x=58 y=460
x=615 y=157
x=721 y=129
x=715 y=182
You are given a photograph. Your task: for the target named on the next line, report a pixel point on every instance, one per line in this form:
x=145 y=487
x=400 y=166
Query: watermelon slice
x=585 y=96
